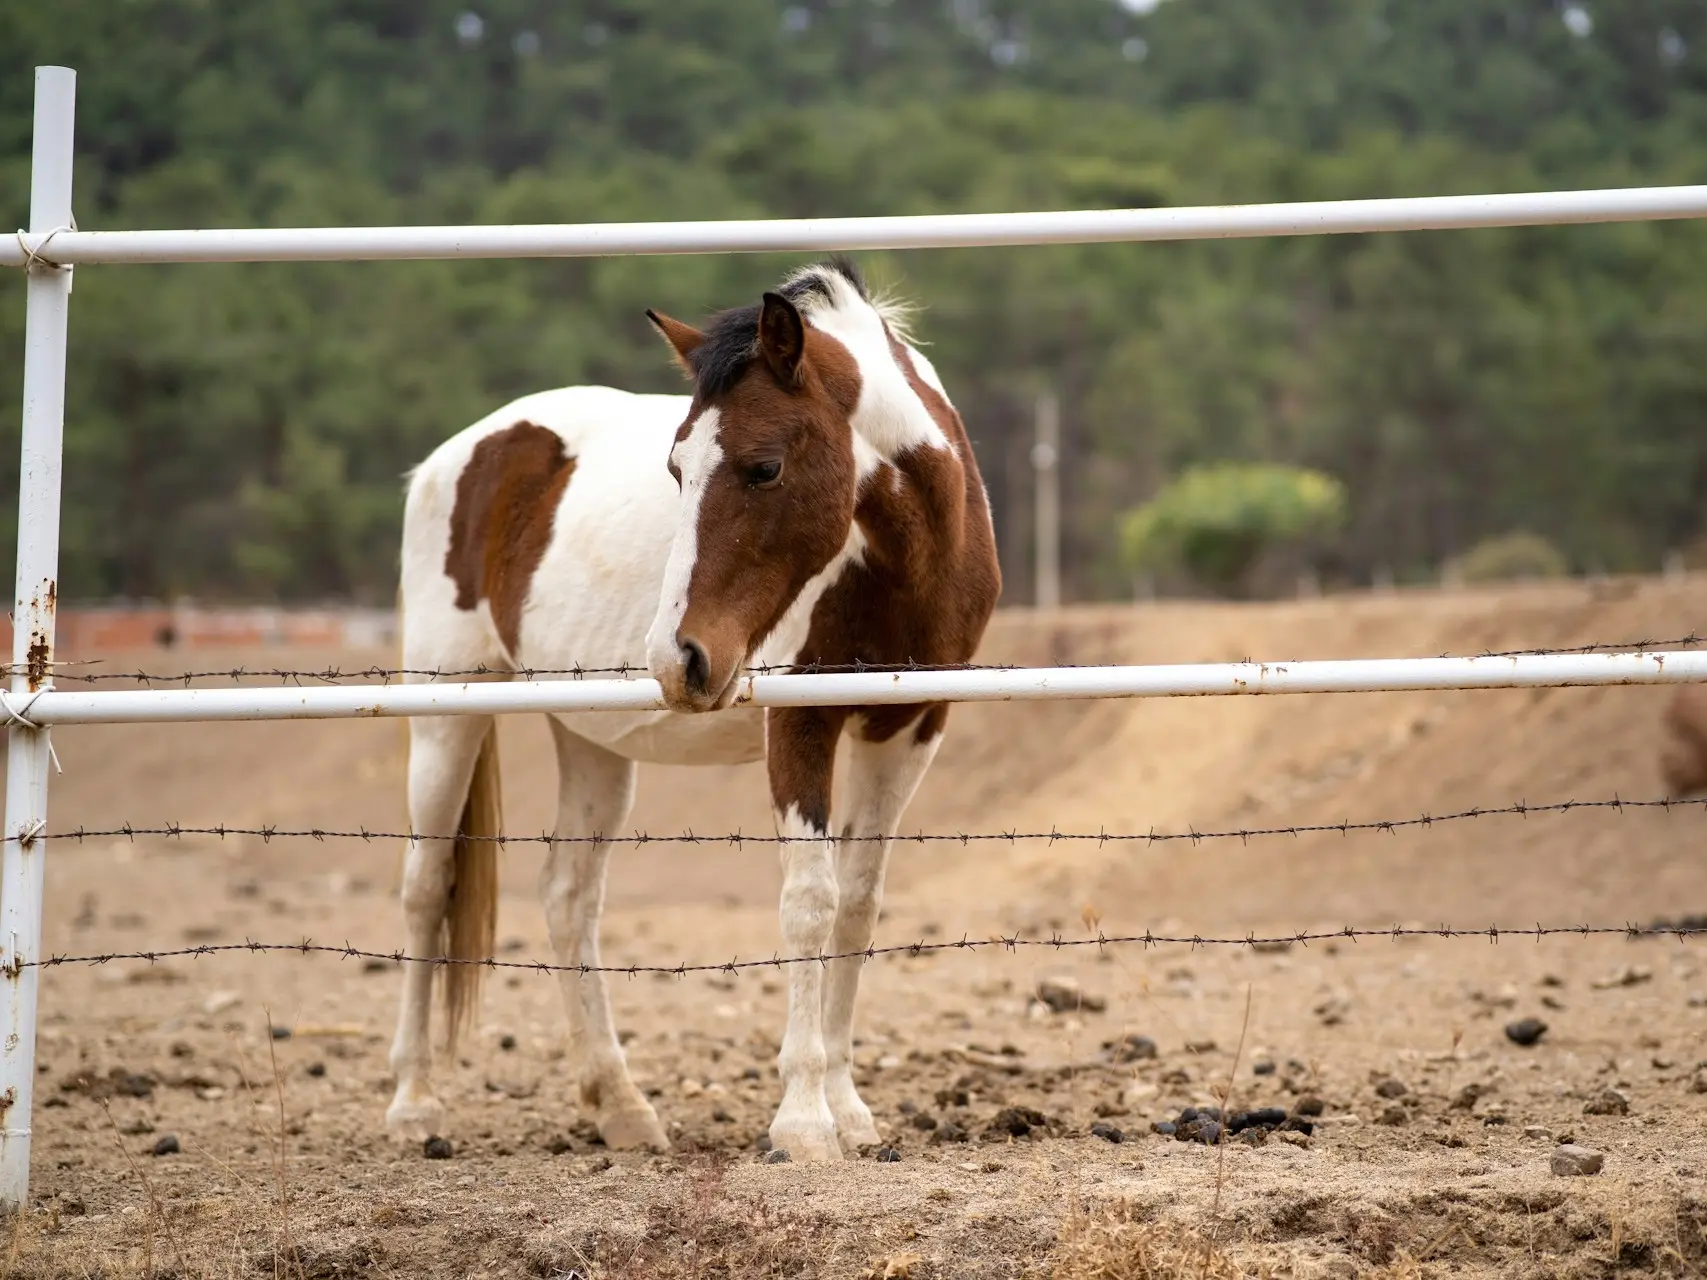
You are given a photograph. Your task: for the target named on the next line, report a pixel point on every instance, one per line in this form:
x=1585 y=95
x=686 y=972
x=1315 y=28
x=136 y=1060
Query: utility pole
x=1046 y=467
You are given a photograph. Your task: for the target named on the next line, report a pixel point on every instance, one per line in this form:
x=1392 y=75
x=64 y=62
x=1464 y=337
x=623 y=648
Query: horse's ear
x=684 y=339
x=782 y=338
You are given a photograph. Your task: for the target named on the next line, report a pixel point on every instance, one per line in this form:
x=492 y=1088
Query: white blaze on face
x=696 y=459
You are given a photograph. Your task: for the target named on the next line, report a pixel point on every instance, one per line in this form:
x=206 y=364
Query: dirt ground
x=1430 y=1155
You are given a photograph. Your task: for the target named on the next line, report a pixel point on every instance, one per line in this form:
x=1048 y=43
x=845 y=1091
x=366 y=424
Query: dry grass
x=1118 y=1241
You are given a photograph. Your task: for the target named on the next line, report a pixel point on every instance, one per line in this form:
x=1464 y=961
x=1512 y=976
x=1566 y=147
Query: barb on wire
x=1491 y=934
x=1520 y=809
x=627 y=670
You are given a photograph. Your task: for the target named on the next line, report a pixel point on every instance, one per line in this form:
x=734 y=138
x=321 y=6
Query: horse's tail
x=471 y=925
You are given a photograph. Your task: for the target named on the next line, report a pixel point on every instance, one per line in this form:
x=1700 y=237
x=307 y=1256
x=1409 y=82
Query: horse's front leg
x=800 y=746
x=882 y=777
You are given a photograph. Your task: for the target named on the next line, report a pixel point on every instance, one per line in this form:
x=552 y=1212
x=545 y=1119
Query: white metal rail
x=810 y=235
x=51 y=246
x=872 y=688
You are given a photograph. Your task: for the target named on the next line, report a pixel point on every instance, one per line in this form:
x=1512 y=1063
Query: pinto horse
x=814 y=501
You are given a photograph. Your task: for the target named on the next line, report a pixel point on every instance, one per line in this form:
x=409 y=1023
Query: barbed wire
x=626 y=670
x=1492 y=934
x=268 y=833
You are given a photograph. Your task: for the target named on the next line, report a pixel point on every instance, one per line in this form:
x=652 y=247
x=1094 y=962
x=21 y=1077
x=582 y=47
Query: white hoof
x=854 y=1125
x=415 y=1118
x=807 y=1141
x=633 y=1129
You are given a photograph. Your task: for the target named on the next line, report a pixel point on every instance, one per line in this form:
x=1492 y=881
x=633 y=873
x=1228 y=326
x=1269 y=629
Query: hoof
x=635 y=1129
x=414 y=1120
x=854 y=1125
x=854 y=1134
x=806 y=1144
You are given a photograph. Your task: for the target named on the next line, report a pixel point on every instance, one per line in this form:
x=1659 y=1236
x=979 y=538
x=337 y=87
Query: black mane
x=732 y=337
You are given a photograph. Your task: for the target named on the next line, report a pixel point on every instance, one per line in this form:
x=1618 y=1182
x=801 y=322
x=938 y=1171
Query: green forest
x=241 y=432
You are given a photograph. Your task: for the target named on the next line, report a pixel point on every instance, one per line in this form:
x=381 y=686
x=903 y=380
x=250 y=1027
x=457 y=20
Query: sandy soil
x=283 y=1165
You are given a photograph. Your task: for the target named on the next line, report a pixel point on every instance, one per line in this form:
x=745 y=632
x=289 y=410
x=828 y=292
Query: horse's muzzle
x=690 y=680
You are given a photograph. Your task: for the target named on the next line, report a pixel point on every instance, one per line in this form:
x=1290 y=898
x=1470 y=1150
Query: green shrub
x=1215 y=522
x=1508 y=557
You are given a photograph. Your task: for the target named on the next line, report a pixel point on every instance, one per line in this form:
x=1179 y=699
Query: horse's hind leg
x=882 y=777
x=442 y=751
x=595 y=794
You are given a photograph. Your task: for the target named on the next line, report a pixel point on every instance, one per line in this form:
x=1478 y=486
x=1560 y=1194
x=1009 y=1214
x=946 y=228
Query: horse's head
x=765 y=463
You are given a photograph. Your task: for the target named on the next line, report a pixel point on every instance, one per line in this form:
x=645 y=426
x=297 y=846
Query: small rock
x=1629 y=976
x=888 y=1155
x=438 y=1149
x=182 y=1050
x=131 y=1084
x=1572 y=1161
x=1309 y=1106
x=1166 y=1128
x=1264 y=1068
x=376 y=965
x=721 y=1116
x=1525 y=1031
x=280 y=1033
x=1608 y=1102
x=1293 y=1137
x=166 y=1145
x=1253 y=1137
x=777 y=1156
x=908 y=1107
x=1540 y=1131
x=948 y=1131
x=1294 y=1124
x=1391 y=1088
x=953 y=1098
x=507 y=1042
x=1208 y=1132
x=922 y=1121
x=1133 y=1048
x=1394 y=1114
x=317 y=1069
x=1200 y=1046
x=1017 y=1121
x=1260 y=1118
x=1107 y=1132
x=1468 y=1096
x=1064 y=995
x=1332 y=1011
x=692 y=1088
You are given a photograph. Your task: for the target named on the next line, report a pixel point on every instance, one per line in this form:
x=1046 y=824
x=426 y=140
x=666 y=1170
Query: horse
x=813 y=501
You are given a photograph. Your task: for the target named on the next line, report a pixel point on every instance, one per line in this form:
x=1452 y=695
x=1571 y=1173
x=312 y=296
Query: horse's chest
x=734 y=736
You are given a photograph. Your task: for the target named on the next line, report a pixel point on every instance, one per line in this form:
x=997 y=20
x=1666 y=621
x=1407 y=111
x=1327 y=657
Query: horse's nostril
x=696 y=666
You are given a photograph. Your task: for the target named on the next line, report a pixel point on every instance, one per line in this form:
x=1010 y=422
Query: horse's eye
x=764 y=473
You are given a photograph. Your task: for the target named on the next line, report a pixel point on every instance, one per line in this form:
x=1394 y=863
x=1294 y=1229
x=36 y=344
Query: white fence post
x=35 y=597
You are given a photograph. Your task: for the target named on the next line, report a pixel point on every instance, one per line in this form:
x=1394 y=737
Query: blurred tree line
x=242 y=431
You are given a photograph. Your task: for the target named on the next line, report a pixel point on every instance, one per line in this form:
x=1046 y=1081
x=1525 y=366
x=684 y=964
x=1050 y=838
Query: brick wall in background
x=86 y=632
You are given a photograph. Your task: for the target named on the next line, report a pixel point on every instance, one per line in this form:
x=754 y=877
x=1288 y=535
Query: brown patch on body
x=800 y=753
x=506 y=502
